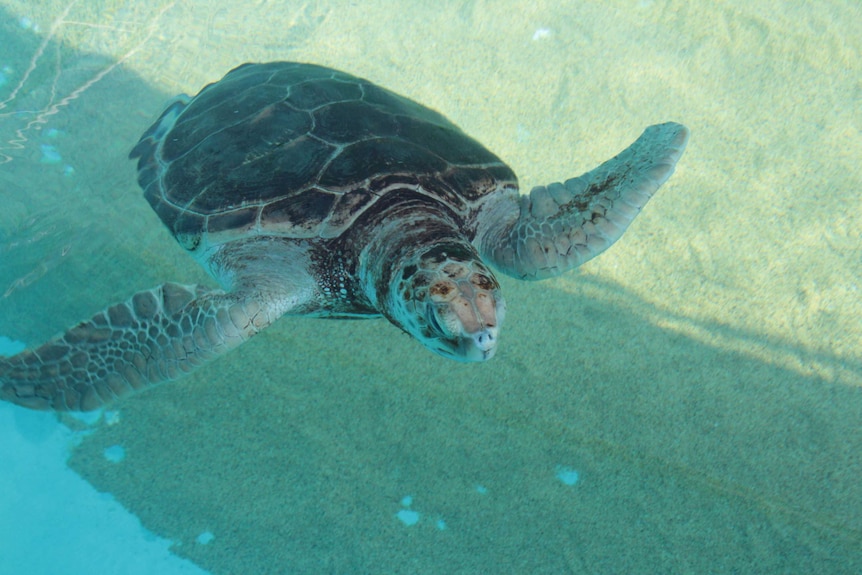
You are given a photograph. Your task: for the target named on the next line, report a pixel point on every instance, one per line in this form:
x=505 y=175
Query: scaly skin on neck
x=429 y=281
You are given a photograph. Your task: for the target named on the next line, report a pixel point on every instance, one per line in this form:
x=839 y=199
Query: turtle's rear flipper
x=560 y=226
x=155 y=336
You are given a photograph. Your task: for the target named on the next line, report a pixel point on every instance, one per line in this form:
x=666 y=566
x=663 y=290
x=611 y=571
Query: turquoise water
x=689 y=402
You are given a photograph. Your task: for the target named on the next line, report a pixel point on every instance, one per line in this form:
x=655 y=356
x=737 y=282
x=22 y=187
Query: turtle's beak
x=478 y=346
x=464 y=317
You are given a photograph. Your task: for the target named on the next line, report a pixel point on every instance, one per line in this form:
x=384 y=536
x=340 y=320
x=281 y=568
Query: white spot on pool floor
x=541 y=33
x=115 y=453
x=112 y=417
x=408 y=517
x=568 y=475
x=50 y=155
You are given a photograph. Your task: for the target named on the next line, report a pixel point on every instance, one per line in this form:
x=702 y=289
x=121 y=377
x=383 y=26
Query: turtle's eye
x=483 y=282
x=443 y=291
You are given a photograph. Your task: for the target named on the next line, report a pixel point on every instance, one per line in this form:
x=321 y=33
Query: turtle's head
x=450 y=301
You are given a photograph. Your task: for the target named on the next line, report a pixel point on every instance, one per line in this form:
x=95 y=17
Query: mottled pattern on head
x=452 y=301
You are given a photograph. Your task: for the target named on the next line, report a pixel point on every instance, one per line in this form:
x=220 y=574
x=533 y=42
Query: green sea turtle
x=308 y=191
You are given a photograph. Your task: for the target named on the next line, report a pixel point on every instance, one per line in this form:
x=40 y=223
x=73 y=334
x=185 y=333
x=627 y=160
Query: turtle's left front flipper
x=155 y=336
x=561 y=226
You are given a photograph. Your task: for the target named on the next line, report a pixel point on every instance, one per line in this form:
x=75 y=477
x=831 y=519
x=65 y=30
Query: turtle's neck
x=419 y=270
x=400 y=236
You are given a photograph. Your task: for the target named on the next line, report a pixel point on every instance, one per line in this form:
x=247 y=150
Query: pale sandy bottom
x=702 y=377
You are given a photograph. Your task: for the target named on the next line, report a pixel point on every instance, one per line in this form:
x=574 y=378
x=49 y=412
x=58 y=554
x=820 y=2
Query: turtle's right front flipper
x=560 y=226
x=155 y=336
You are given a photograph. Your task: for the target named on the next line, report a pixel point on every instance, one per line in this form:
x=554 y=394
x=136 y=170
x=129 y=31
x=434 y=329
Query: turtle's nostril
x=485 y=340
